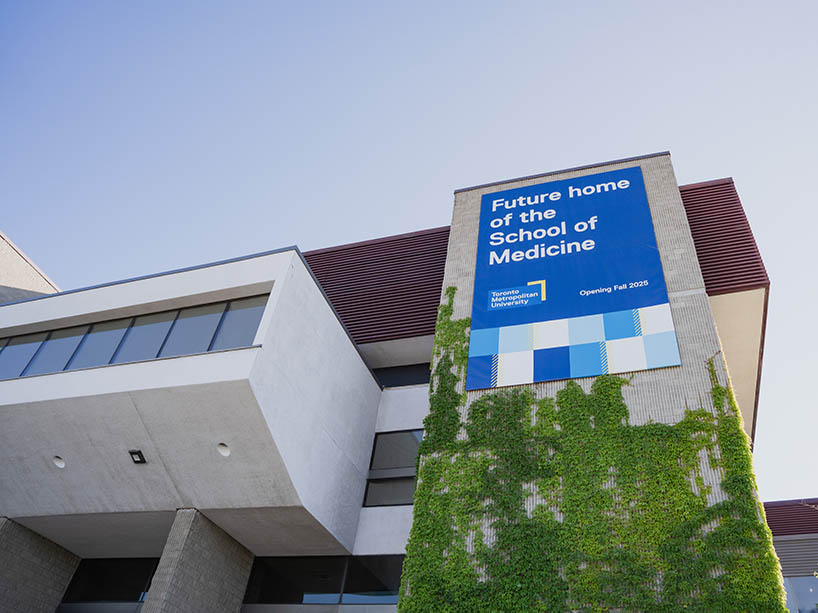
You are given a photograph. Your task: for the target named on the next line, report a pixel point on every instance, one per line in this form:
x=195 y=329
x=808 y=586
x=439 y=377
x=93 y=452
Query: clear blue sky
x=137 y=137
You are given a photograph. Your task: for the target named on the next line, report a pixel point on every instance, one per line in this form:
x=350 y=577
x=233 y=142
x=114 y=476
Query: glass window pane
x=380 y=492
x=193 y=330
x=56 y=351
x=111 y=579
x=373 y=580
x=17 y=354
x=144 y=338
x=295 y=581
x=240 y=323
x=396 y=376
x=396 y=449
x=99 y=344
x=802 y=594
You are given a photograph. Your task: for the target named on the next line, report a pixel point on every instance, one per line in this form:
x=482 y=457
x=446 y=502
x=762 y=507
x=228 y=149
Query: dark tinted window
x=111 y=580
x=98 y=346
x=193 y=330
x=18 y=353
x=373 y=580
x=56 y=351
x=240 y=323
x=385 y=492
x=396 y=376
x=396 y=449
x=145 y=337
x=295 y=581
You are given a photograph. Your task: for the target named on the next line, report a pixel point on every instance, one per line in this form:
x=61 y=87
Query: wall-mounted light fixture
x=137 y=456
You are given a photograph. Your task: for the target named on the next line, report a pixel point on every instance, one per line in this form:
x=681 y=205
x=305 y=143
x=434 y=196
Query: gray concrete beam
x=202 y=568
x=34 y=572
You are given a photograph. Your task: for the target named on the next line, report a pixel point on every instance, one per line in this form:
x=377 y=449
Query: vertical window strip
x=36 y=353
x=219 y=325
x=79 y=346
x=122 y=340
x=167 y=336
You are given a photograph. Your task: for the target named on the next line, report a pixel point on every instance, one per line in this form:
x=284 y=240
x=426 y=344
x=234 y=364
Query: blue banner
x=568 y=283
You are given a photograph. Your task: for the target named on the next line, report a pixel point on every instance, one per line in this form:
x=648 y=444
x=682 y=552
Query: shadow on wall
x=12 y=294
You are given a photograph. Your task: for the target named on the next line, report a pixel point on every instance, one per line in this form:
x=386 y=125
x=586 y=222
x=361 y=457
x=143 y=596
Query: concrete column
x=34 y=571
x=202 y=568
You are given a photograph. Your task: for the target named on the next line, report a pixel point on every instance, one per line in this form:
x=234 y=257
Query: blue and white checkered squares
x=622 y=341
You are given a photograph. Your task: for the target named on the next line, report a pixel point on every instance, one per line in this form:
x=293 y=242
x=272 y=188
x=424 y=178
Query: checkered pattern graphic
x=622 y=341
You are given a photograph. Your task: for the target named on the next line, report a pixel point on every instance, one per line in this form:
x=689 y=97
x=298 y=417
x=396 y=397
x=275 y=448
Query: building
x=247 y=432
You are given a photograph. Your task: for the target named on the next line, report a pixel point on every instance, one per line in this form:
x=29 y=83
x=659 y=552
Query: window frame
x=89 y=327
x=387 y=474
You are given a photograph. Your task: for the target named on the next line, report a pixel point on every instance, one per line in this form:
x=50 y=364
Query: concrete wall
x=403 y=408
x=320 y=402
x=660 y=395
x=383 y=530
x=201 y=569
x=20 y=278
x=34 y=572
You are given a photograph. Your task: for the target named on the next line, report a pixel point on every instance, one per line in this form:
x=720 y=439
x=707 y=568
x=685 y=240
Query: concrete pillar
x=202 y=568
x=34 y=571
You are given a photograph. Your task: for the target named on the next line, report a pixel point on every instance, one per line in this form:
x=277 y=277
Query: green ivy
x=625 y=523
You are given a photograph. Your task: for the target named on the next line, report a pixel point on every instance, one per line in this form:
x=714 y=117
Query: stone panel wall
x=34 y=572
x=202 y=568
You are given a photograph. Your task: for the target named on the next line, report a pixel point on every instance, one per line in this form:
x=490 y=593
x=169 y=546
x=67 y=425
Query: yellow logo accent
x=541 y=283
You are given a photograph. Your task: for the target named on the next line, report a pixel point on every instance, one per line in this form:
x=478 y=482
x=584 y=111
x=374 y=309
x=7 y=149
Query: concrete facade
x=34 y=571
x=20 y=278
x=299 y=452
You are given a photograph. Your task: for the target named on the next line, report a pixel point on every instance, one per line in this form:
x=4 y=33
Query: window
x=144 y=338
x=394 y=491
x=98 y=346
x=397 y=376
x=55 y=352
x=18 y=352
x=240 y=323
x=111 y=580
x=199 y=329
x=392 y=468
x=193 y=330
x=802 y=594
x=372 y=580
x=325 y=580
x=295 y=580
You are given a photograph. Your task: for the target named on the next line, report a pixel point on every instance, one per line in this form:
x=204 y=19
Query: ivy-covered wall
x=559 y=504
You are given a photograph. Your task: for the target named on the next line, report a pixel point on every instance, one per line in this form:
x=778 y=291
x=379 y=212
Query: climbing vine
x=529 y=504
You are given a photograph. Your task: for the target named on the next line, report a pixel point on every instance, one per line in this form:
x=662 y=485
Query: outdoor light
x=137 y=456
